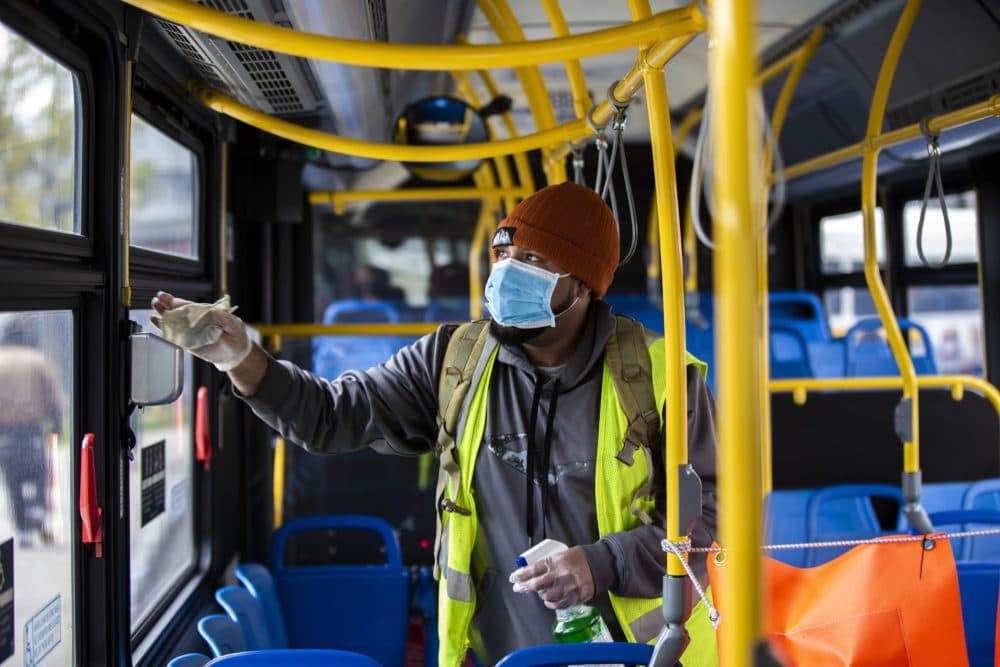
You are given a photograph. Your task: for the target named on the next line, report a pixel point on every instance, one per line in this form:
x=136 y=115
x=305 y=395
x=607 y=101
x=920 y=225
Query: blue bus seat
x=984 y=494
x=222 y=633
x=827 y=358
x=785 y=523
x=299 y=657
x=259 y=582
x=799 y=310
x=965 y=548
x=978 y=585
x=845 y=512
x=867 y=353
x=447 y=310
x=596 y=653
x=248 y=612
x=189 y=660
x=332 y=355
x=789 y=353
x=362 y=608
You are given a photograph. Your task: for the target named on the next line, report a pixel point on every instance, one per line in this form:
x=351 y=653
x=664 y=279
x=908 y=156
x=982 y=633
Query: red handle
x=202 y=442
x=90 y=512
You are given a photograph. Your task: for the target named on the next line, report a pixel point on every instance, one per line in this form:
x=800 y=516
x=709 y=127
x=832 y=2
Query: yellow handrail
x=293 y=330
x=936 y=125
x=797 y=61
x=507 y=28
x=800 y=387
x=339 y=199
x=737 y=176
x=224 y=104
x=869 y=176
x=480 y=238
x=416 y=56
x=574 y=71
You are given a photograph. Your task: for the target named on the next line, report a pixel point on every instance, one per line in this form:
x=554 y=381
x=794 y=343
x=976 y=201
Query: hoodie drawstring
x=546 y=455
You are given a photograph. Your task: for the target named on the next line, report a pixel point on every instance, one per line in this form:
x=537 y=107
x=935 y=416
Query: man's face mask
x=520 y=295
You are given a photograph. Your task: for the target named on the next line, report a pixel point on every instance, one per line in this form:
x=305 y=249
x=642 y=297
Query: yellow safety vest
x=617 y=506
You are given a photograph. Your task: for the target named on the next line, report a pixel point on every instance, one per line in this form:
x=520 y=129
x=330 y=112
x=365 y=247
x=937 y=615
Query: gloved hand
x=232 y=346
x=562 y=580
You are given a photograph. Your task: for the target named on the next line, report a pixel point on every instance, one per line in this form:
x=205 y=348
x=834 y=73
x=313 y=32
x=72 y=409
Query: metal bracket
x=688 y=497
x=904 y=419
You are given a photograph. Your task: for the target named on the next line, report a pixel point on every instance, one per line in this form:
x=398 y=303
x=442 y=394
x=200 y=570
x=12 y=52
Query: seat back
x=247 y=611
x=845 y=512
x=362 y=608
x=259 y=582
x=789 y=353
x=867 y=352
x=785 y=523
x=301 y=657
x=332 y=355
x=596 y=653
x=801 y=311
x=189 y=660
x=222 y=633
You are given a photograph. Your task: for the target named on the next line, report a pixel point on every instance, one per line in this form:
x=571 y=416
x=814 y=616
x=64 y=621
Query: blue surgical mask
x=520 y=295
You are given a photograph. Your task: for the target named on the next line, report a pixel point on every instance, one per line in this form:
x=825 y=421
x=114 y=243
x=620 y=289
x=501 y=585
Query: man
x=526 y=442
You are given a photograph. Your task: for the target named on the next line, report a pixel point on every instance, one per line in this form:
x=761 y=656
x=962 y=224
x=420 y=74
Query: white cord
x=676 y=548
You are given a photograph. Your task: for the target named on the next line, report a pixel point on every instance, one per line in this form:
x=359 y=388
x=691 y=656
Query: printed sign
x=43 y=632
x=153 y=461
x=6 y=599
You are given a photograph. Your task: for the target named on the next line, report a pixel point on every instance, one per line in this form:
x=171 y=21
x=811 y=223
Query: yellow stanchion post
x=737 y=176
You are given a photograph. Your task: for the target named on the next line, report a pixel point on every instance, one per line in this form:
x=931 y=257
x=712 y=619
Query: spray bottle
x=576 y=624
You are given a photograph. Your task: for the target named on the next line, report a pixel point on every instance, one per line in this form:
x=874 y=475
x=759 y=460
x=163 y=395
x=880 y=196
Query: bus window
x=161 y=494
x=846 y=305
x=951 y=315
x=37 y=506
x=38 y=138
x=842 y=244
x=163 y=192
x=961 y=214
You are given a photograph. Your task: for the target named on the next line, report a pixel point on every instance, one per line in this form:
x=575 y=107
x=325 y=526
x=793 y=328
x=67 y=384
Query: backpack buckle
x=448 y=505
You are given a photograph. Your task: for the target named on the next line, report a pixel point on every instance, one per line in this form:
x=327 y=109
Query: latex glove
x=231 y=343
x=561 y=581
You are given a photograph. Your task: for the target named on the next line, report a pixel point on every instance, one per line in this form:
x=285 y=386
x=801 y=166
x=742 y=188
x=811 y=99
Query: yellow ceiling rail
x=339 y=199
x=936 y=125
x=290 y=330
x=736 y=167
x=507 y=28
x=908 y=424
x=224 y=104
x=799 y=387
x=414 y=56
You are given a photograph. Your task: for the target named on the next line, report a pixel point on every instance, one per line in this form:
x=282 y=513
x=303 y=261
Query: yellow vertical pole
x=126 y=193
x=224 y=219
x=524 y=177
x=483 y=178
x=665 y=179
x=278 y=482
x=777 y=120
x=574 y=71
x=869 y=177
x=737 y=176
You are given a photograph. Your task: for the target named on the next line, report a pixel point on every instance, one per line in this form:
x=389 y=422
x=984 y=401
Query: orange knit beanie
x=571 y=225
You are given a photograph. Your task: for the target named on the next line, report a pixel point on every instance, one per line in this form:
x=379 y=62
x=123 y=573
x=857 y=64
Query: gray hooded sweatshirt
x=392 y=408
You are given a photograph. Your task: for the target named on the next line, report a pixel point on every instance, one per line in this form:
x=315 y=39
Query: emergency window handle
x=202 y=441
x=92 y=529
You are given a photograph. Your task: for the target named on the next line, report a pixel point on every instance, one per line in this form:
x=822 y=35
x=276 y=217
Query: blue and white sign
x=43 y=632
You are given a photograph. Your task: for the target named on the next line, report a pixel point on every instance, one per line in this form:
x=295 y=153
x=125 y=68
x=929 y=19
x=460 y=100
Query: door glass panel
x=39 y=119
x=161 y=492
x=37 y=507
x=162 y=192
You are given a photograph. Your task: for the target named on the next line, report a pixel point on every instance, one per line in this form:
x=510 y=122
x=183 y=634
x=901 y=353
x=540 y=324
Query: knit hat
x=569 y=224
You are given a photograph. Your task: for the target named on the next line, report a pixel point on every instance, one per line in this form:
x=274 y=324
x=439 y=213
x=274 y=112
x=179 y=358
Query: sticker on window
x=43 y=632
x=153 y=459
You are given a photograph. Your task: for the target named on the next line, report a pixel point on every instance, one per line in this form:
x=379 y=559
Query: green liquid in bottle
x=580 y=623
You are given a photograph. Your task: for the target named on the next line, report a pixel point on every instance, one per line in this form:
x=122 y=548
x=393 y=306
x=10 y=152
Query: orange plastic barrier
x=891 y=603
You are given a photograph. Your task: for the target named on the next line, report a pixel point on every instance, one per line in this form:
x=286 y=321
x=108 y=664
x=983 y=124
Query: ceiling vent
x=270 y=82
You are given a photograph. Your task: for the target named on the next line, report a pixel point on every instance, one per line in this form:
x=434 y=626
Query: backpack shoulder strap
x=631 y=370
x=460 y=359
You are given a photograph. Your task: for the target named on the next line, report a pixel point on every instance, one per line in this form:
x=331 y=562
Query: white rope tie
x=853 y=543
x=676 y=548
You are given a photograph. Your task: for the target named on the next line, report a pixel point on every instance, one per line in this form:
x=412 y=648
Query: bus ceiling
x=829 y=110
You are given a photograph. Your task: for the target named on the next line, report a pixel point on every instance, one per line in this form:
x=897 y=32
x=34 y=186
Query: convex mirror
x=157 y=370
x=441 y=121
